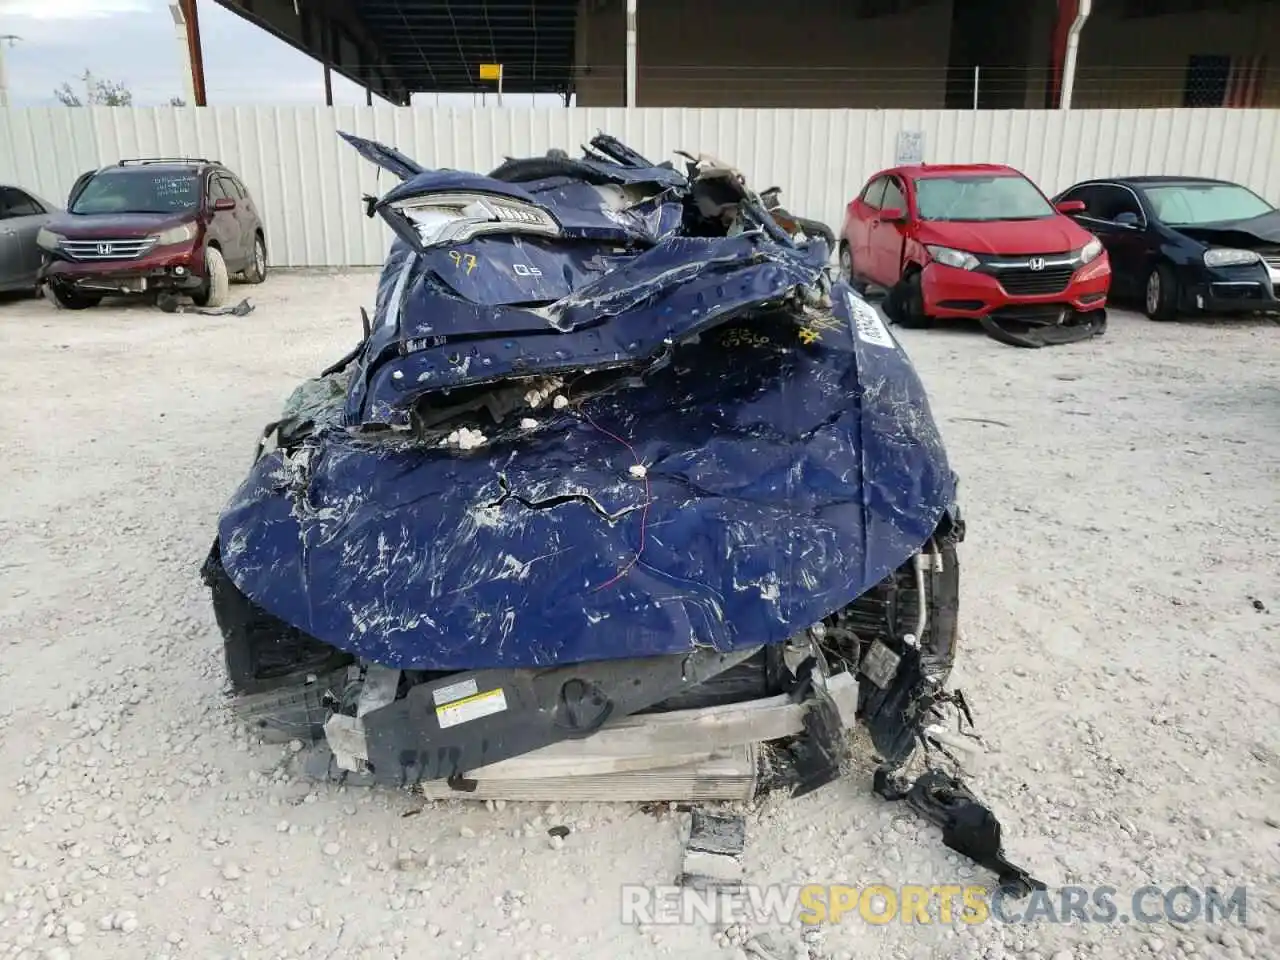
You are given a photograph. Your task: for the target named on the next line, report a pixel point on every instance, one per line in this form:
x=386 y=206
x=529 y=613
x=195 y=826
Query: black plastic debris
x=173 y=303
x=1069 y=328
x=968 y=826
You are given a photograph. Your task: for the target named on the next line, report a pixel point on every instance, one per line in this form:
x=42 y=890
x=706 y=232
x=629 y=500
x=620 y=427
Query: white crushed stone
x=466 y=439
x=1122 y=518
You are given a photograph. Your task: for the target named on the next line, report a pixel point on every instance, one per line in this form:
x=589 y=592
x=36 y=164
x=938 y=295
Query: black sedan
x=1184 y=245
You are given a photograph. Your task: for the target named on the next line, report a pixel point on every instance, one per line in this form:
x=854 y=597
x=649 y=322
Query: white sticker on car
x=867 y=323
x=455 y=691
x=472 y=708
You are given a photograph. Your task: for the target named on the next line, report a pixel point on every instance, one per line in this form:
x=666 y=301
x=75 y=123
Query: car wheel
x=1161 y=301
x=846 y=263
x=847 y=272
x=905 y=303
x=64 y=298
x=257 y=271
x=216 y=283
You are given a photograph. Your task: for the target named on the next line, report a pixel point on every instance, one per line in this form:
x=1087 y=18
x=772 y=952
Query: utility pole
x=631 y=53
x=6 y=39
x=195 y=55
x=184 y=51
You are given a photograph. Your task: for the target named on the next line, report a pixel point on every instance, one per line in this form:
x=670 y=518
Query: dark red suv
x=164 y=225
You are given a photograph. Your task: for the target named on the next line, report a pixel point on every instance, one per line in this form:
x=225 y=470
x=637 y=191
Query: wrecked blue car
x=617 y=489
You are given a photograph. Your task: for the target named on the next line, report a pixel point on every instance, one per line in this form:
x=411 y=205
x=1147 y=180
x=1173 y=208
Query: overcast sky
x=133 y=41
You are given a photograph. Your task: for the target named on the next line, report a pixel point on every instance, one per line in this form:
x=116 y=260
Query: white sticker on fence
x=909 y=148
x=472 y=708
x=867 y=323
x=455 y=691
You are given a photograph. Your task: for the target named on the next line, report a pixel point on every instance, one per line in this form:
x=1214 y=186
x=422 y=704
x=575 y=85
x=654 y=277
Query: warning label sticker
x=455 y=691
x=471 y=708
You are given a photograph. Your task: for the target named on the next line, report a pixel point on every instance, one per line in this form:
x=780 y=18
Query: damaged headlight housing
x=449 y=218
x=46 y=239
x=1228 y=257
x=953 y=258
x=178 y=234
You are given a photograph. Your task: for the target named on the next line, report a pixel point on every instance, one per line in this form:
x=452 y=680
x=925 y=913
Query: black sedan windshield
x=1187 y=204
x=976 y=198
x=138 y=191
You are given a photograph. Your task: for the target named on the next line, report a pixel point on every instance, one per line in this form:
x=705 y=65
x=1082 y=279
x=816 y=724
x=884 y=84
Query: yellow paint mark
x=459 y=259
x=809 y=335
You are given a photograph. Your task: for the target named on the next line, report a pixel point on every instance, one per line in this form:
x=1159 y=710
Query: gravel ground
x=1120 y=650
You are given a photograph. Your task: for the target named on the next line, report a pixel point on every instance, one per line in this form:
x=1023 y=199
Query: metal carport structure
x=394 y=48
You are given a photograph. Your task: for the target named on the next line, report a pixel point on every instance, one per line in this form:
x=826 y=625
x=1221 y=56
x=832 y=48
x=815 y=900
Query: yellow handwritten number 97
x=460 y=258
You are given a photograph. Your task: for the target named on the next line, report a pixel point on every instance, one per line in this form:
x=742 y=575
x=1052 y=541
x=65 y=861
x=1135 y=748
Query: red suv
x=153 y=225
x=978 y=241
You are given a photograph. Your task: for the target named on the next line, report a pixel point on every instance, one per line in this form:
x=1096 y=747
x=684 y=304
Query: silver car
x=22 y=214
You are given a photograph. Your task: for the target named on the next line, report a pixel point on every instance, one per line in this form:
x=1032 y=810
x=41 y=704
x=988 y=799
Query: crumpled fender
x=787 y=471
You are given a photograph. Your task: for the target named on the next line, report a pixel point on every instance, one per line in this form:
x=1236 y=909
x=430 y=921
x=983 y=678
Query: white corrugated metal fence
x=309 y=183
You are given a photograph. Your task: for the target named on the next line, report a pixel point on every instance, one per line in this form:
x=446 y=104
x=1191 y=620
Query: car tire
x=905 y=304
x=217 y=281
x=256 y=272
x=1160 y=300
x=261 y=652
x=66 y=299
x=846 y=271
x=846 y=263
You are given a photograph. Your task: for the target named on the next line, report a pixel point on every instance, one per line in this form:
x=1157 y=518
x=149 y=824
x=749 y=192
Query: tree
x=97 y=93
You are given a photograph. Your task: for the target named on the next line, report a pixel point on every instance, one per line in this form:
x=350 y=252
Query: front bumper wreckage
x=617 y=498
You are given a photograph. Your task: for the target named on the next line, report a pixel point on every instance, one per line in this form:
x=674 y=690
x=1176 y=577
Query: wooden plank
x=728 y=775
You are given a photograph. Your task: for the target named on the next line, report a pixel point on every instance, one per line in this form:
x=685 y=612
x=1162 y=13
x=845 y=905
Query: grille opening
x=1024 y=282
x=107 y=248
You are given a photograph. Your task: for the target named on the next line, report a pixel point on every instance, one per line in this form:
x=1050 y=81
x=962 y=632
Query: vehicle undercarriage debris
x=617 y=498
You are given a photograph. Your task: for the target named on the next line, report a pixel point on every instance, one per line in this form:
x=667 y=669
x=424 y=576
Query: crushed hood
x=1263 y=231
x=731 y=457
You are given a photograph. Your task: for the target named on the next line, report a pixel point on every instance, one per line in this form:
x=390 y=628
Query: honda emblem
x=104 y=250
x=1036 y=263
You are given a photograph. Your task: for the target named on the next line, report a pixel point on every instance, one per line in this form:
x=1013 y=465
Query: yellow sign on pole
x=490 y=71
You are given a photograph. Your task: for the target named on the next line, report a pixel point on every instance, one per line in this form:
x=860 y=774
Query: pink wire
x=644 y=513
